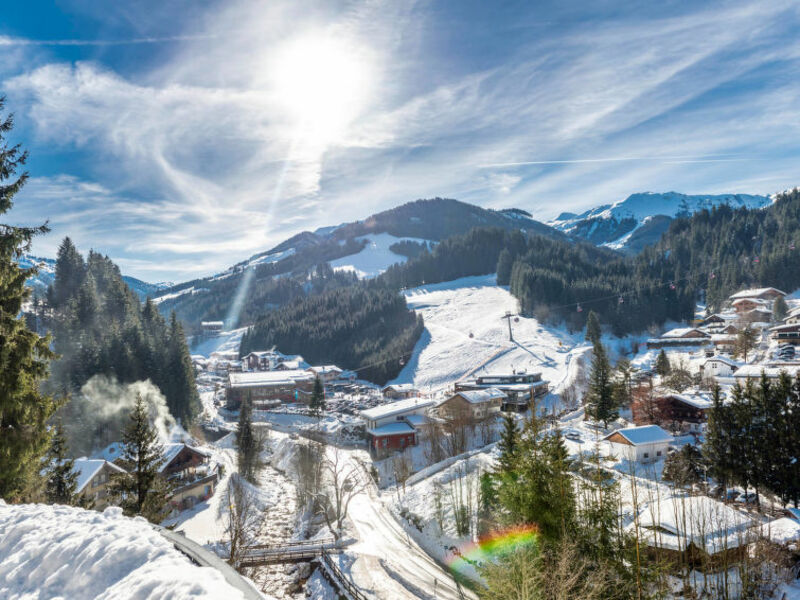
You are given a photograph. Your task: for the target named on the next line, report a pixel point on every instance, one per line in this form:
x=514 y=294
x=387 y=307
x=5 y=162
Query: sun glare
x=323 y=83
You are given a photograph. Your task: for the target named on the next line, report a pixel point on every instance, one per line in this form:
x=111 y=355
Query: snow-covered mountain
x=641 y=218
x=47 y=273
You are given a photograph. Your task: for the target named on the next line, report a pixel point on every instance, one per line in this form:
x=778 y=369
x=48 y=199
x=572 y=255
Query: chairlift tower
x=508 y=317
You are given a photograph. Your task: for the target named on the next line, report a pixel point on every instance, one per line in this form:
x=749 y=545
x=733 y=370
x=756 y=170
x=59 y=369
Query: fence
x=341 y=581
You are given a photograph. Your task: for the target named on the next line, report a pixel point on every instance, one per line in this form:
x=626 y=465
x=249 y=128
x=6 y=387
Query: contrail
x=11 y=41
x=702 y=158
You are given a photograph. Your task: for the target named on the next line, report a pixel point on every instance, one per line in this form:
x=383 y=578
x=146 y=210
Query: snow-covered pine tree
x=508 y=444
x=600 y=402
x=141 y=490
x=317 y=403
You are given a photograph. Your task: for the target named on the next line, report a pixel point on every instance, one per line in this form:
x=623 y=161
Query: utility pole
x=507 y=317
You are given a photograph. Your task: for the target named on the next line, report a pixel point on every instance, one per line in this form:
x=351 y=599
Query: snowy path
x=389 y=562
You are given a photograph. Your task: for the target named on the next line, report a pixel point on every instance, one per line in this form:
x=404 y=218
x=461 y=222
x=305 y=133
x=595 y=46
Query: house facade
x=393 y=427
x=520 y=389
x=191 y=474
x=94 y=476
x=264 y=386
x=473 y=405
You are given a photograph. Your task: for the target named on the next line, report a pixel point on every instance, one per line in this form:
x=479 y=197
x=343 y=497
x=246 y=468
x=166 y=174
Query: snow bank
x=65 y=552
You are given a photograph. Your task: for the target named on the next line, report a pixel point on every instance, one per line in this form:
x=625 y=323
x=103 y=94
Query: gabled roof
x=396 y=408
x=323 y=369
x=758 y=301
x=400 y=387
x=398 y=428
x=646 y=434
x=755 y=293
x=684 y=332
x=481 y=396
x=87 y=468
x=694 y=400
x=723 y=359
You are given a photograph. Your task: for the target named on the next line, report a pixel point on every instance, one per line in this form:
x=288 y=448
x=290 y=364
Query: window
x=658 y=453
x=646 y=455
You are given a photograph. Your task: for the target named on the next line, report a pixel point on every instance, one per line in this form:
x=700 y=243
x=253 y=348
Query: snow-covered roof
x=288 y=377
x=676 y=522
x=110 y=453
x=87 y=468
x=725 y=360
x=646 y=434
x=260 y=353
x=172 y=450
x=481 y=396
x=400 y=387
x=684 y=332
x=695 y=400
x=398 y=428
x=782 y=531
x=754 y=371
x=323 y=369
x=755 y=293
x=396 y=408
x=417 y=420
x=212 y=323
x=78 y=553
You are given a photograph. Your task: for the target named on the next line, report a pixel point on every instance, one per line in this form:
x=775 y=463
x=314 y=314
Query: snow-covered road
x=390 y=564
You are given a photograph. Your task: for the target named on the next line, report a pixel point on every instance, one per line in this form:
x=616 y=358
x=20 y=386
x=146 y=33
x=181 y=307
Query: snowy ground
x=62 y=552
x=375 y=258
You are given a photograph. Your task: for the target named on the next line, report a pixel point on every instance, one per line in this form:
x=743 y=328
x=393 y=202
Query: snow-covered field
x=61 y=552
x=465 y=334
x=375 y=258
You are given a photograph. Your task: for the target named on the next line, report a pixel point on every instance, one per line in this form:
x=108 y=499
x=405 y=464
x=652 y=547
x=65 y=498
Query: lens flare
x=492 y=546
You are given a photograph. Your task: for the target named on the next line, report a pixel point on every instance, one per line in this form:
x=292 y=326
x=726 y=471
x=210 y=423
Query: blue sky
x=180 y=137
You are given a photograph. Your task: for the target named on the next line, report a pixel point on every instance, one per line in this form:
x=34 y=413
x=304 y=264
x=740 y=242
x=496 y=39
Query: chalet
x=264 y=360
x=393 y=426
x=268 y=386
x=756 y=315
x=678 y=412
x=724 y=342
x=294 y=363
x=768 y=294
x=683 y=336
x=694 y=529
x=399 y=391
x=753 y=372
x=94 y=475
x=745 y=305
x=719 y=366
x=520 y=389
x=641 y=444
x=793 y=318
x=326 y=373
x=786 y=333
x=715 y=320
x=473 y=405
x=191 y=473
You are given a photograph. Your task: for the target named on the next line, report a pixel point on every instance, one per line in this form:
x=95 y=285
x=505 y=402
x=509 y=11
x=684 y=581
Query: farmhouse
x=719 y=366
x=264 y=360
x=94 y=475
x=695 y=528
x=745 y=305
x=326 y=373
x=520 y=388
x=768 y=294
x=393 y=426
x=683 y=336
x=473 y=405
x=282 y=385
x=678 y=412
x=642 y=444
x=398 y=391
x=191 y=473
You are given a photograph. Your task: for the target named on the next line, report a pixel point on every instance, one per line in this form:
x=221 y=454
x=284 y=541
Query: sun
x=323 y=83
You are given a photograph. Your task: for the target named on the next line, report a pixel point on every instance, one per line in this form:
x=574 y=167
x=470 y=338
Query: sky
x=181 y=137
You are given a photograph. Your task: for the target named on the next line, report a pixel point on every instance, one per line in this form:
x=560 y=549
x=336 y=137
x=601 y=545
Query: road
x=390 y=564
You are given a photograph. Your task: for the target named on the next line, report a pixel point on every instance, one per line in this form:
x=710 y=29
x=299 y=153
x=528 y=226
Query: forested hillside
x=364 y=327
x=99 y=326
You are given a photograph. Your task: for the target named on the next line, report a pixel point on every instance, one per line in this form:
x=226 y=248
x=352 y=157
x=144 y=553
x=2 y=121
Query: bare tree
x=308 y=466
x=241 y=514
x=402 y=467
x=434 y=443
x=342 y=482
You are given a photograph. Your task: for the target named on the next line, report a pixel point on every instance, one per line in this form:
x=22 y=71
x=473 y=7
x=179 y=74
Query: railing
x=290 y=552
x=344 y=584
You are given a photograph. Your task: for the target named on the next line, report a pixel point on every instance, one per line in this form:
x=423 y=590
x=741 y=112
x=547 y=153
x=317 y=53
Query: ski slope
x=475 y=305
x=375 y=258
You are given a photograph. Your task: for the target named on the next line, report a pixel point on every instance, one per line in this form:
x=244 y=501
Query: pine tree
x=184 y=402
x=60 y=475
x=684 y=467
x=317 y=404
x=249 y=443
x=141 y=490
x=600 y=402
x=593 y=331
x=779 y=309
x=24 y=356
x=508 y=444
x=504 y=264
x=662 y=364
